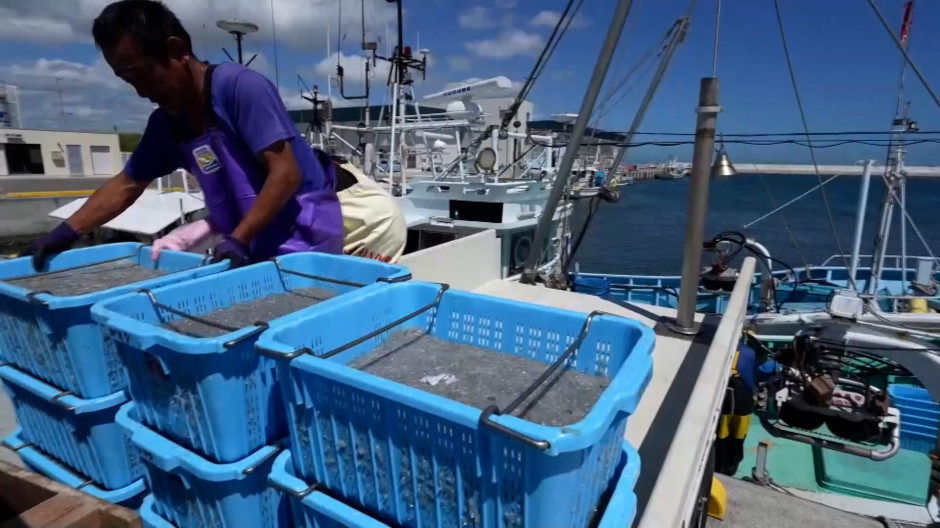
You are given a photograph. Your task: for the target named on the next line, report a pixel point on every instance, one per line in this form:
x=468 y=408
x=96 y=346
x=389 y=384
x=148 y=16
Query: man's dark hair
x=148 y=22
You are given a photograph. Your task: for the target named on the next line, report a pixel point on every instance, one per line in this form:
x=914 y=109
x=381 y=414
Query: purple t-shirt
x=249 y=112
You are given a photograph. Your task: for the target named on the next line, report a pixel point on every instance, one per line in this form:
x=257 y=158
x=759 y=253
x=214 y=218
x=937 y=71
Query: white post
x=391 y=142
x=494 y=139
x=865 y=184
x=903 y=219
x=463 y=176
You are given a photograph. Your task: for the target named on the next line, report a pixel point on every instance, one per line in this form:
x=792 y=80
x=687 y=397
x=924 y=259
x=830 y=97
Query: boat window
x=24 y=158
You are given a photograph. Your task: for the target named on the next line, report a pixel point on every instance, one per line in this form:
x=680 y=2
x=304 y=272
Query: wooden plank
x=30 y=500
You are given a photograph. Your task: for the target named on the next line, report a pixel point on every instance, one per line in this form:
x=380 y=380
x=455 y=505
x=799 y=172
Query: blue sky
x=846 y=65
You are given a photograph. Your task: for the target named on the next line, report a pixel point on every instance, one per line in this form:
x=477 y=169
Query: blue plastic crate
x=620 y=510
x=129 y=496
x=55 y=339
x=920 y=417
x=315 y=509
x=318 y=510
x=216 y=395
x=81 y=433
x=192 y=492
x=416 y=459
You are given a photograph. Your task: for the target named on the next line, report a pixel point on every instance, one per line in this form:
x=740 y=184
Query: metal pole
x=681 y=26
x=903 y=219
x=577 y=134
x=391 y=141
x=860 y=219
x=238 y=42
x=698 y=205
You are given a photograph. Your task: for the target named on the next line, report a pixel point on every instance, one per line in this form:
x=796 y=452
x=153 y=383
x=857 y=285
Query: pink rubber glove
x=182 y=238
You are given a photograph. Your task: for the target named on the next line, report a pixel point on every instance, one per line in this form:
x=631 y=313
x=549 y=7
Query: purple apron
x=231 y=178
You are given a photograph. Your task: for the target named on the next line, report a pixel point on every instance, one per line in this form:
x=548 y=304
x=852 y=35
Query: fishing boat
x=672 y=170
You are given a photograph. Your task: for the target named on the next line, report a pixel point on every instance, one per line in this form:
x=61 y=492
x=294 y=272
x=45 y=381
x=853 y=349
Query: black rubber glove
x=233 y=250
x=58 y=240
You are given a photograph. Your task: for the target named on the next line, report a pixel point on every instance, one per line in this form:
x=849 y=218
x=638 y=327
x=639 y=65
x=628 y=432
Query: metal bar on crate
x=260 y=326
x=295 y=493
x=336 y=281
x=73 y=268
x=83 y=484
x=315 y=277
x=278 y=447
x=31 y=297
x=22 y=446
x=370 y=335
x=494 y=410
x=174 y=311
x=57 y=399
x=393 y=324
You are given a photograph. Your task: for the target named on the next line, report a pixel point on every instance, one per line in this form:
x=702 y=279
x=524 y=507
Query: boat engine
x=815 y=385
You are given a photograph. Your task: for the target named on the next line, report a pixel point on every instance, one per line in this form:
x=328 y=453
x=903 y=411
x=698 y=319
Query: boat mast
x=894 y=172
x=559 y=184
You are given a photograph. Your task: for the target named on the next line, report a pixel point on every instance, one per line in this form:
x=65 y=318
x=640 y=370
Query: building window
x=24 y=158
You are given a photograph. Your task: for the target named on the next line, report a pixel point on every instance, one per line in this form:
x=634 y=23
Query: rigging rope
x=786 y=225
x=812 y=153
x=904 y=52
x=791 y=202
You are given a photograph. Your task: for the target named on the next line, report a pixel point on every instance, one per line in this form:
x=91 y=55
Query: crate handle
x=260 y=326
x=541 y=445
x=24 y=445
x=31 y=297
x=57 y=399
x=73 y=268
x=293 y=492
x=359 y=340
x=278 y=447
x=280 y=269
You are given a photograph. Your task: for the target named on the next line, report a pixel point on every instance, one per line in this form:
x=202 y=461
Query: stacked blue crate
x=214 y=402
x=410 y=458
x=65 y=384
x=316 y=509
x=920 y=416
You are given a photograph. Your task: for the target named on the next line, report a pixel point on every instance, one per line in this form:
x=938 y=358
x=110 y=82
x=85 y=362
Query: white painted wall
x=54 y=157
x=465 y=264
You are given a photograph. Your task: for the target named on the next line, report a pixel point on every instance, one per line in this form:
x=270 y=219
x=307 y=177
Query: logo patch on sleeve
x=206 y=159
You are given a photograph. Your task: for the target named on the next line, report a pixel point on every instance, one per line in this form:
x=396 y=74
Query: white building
x=58 y=153
x=9 y=107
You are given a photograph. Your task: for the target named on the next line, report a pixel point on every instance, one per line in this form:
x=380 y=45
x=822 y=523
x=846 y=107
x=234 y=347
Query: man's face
x=167 y=83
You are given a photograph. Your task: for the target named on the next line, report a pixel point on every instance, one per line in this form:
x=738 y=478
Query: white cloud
x=459 y=63
x=509 y=43
x=549 y=18
x=477 y=17
x=16 y=28
x=56 y=93
x=300 y=23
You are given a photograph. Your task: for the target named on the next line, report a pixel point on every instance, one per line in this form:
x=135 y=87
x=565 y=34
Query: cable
x=786 y=225
x=907 y=56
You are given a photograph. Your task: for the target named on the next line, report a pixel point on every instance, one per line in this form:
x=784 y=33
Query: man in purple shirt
x=267 y=192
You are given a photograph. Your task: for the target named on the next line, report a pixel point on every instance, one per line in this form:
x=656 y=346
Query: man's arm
x=259 y=116
x=110 y=200
x=282 y=182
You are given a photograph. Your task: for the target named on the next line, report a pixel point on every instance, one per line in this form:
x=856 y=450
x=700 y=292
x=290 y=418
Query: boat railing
x=891 y=261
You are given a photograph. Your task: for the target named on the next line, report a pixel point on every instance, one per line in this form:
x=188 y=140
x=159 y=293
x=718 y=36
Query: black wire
x=812 y=153
x=758 y=143
x=783 y=134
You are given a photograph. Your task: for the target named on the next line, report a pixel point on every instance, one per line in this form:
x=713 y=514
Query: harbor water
x=643 y=232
